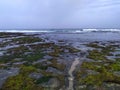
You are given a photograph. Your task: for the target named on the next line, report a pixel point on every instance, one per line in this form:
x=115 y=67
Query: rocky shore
x=40 y=62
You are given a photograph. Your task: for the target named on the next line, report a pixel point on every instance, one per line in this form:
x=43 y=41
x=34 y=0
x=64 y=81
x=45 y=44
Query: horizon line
x=51 y=28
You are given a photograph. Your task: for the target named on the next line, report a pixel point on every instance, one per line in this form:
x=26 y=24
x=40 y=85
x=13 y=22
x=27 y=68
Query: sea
x=75 y=35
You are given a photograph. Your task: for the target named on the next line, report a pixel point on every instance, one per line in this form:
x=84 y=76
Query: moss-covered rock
x=96 y=55
x=94 y=45
x=59 y=66
x=103 y=72
x=27 y=39
x=19 y=82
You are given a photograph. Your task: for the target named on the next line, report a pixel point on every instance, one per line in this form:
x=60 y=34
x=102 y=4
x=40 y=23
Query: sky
x=38 y=14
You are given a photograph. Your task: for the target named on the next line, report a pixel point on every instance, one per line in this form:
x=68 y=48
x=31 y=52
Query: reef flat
x=39 y=62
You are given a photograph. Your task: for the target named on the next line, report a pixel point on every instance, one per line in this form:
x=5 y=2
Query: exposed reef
x=34 y=62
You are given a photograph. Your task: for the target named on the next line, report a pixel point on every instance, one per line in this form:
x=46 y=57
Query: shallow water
x=86 y=37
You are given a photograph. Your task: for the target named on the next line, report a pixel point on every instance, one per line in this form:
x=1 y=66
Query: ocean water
x=75 y=35
x=85 y=37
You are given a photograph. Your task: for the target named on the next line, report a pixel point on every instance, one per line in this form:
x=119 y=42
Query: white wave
x=103 y=30
x=62 y=31
x=26 y=31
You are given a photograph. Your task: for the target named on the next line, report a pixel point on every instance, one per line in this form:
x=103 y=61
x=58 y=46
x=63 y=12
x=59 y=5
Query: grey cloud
x=59 y=13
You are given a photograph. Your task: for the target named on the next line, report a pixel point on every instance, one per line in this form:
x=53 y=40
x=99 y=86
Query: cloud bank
x=59 y=14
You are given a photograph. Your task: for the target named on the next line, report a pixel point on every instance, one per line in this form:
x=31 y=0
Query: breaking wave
x=63 y=30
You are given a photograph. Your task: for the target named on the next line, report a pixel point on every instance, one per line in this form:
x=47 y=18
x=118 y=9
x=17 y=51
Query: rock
x=27 y=53
x=81 y=87
x=117 y=73
x=66 y=51
x=51 y=69
x=19 y=63
x=4 y=74
x=18 y=59
x=91 y=72
x=1 y=53
x=35 y=75
x=112 y=86
x=47 y=57
x=52 y=83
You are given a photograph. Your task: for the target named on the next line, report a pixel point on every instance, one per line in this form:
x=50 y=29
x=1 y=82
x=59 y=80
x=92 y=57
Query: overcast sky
x=59 y=14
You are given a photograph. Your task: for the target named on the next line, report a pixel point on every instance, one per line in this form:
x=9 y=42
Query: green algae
x=94 y=45
x=101 y=74
x=33 y=57
x=18 y=50
x=6 y=34
x=41 y=66
x=96 y=55
x=59 y=66
x=28 y=39
x=30 y=54
x=100 y=70
x=19 y=82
